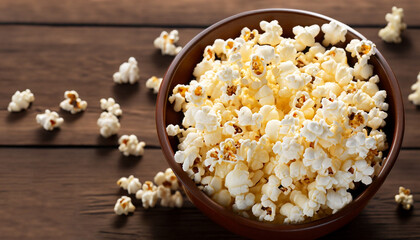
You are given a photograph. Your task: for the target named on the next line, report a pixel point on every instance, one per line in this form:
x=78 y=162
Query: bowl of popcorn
x=280 y=122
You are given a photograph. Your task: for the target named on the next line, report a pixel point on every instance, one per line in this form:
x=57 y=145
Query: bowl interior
x=180 y=72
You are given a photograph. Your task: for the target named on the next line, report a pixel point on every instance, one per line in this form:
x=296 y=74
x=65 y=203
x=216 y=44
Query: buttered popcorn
x=21 y=101
x=128 y=72
x=154 y=83
x=72 y=102
x=391 y=33
x=166 y=43
x=108 y=124
x=130 y=145
x=280 y=129
x=49 y=120
x=111 y=106
x=415 y=96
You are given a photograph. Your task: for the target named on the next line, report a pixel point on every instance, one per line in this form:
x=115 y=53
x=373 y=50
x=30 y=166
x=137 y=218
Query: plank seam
x=135 y=25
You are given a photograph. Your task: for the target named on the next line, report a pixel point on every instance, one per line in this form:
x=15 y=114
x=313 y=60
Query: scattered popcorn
x=391 y=33
x=335 y=32
x=72 y=102
x=131 y=184
x=20 y=101
x=130 y=145
x=154 y=83
x=404 y=198
x=166 y=43
x=128 y=72
x=148 y=195
x=49 y=120
x=281 y=125
x=111 y=106
x=415 y=96
x=124 y=206
x=108 y=124
x=167 y=179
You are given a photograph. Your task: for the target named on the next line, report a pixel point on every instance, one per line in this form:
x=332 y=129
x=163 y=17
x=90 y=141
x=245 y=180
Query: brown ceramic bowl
x=180 y=72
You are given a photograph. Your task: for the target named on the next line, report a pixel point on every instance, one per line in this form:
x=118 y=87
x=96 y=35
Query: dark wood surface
x=61 y=184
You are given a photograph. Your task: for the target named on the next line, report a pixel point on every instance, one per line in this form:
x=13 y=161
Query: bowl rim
x=362 y=199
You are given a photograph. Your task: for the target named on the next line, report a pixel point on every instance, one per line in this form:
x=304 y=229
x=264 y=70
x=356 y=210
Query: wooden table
x=61 y=184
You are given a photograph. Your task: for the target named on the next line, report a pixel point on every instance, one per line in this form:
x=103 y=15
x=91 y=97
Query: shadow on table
x=128 y=162
x=16 y=116
x=123 y=92
x=68 y=117
x=47 y=136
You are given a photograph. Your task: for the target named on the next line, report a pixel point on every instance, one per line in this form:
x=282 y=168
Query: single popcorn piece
x=128 y=72
x=108 y=124
x=21 y=101
x=130 y=145
x=167 y=179
x=124 y=206
x=272 y=33
x=166 y=43
x=131 y=184
x=49 y=120
x=72 y=102
x=154 y=83
x=280 y=128
x=391 y=33
x=404 y=198
x=111 y=106
x=415 y=96
x=148 y=195
x=335 y=32
x=305 y=36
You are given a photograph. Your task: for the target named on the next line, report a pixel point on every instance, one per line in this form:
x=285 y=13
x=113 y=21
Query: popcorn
x=167 y=179
x=266 y=210
x=391 y=33
x=49 y=120
x=124 y=206
x=237 y=181
x=376 y=118
x=362 y=172
x=206 y=119
x=173 y=130
x=154 y=83
x=131 y=184
x=293 y=213
x=148 y=195
x=360 y=144
x=337 y=199
x=404 y=198
x=335 y=32
x=244 y=202
x=130 y=145
x=111 y=106
x=415 y=96
x=247 y=118
x=20 y=101
x=108 y=124
x=288 y=149
x=166 y=43
x=72 y=102
x=317 y=159
x=271 y=122
x=305 y=36
x=272 y=33
x=128 y=72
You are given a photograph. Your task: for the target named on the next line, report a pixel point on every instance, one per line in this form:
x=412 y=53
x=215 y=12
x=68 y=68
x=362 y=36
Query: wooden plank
x=190 y=12
x=50 y=60
x=70 y=193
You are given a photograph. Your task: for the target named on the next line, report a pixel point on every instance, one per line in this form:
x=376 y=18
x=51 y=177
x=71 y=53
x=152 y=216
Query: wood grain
x=50 y=60
x=70 y=193
x=190 y=12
